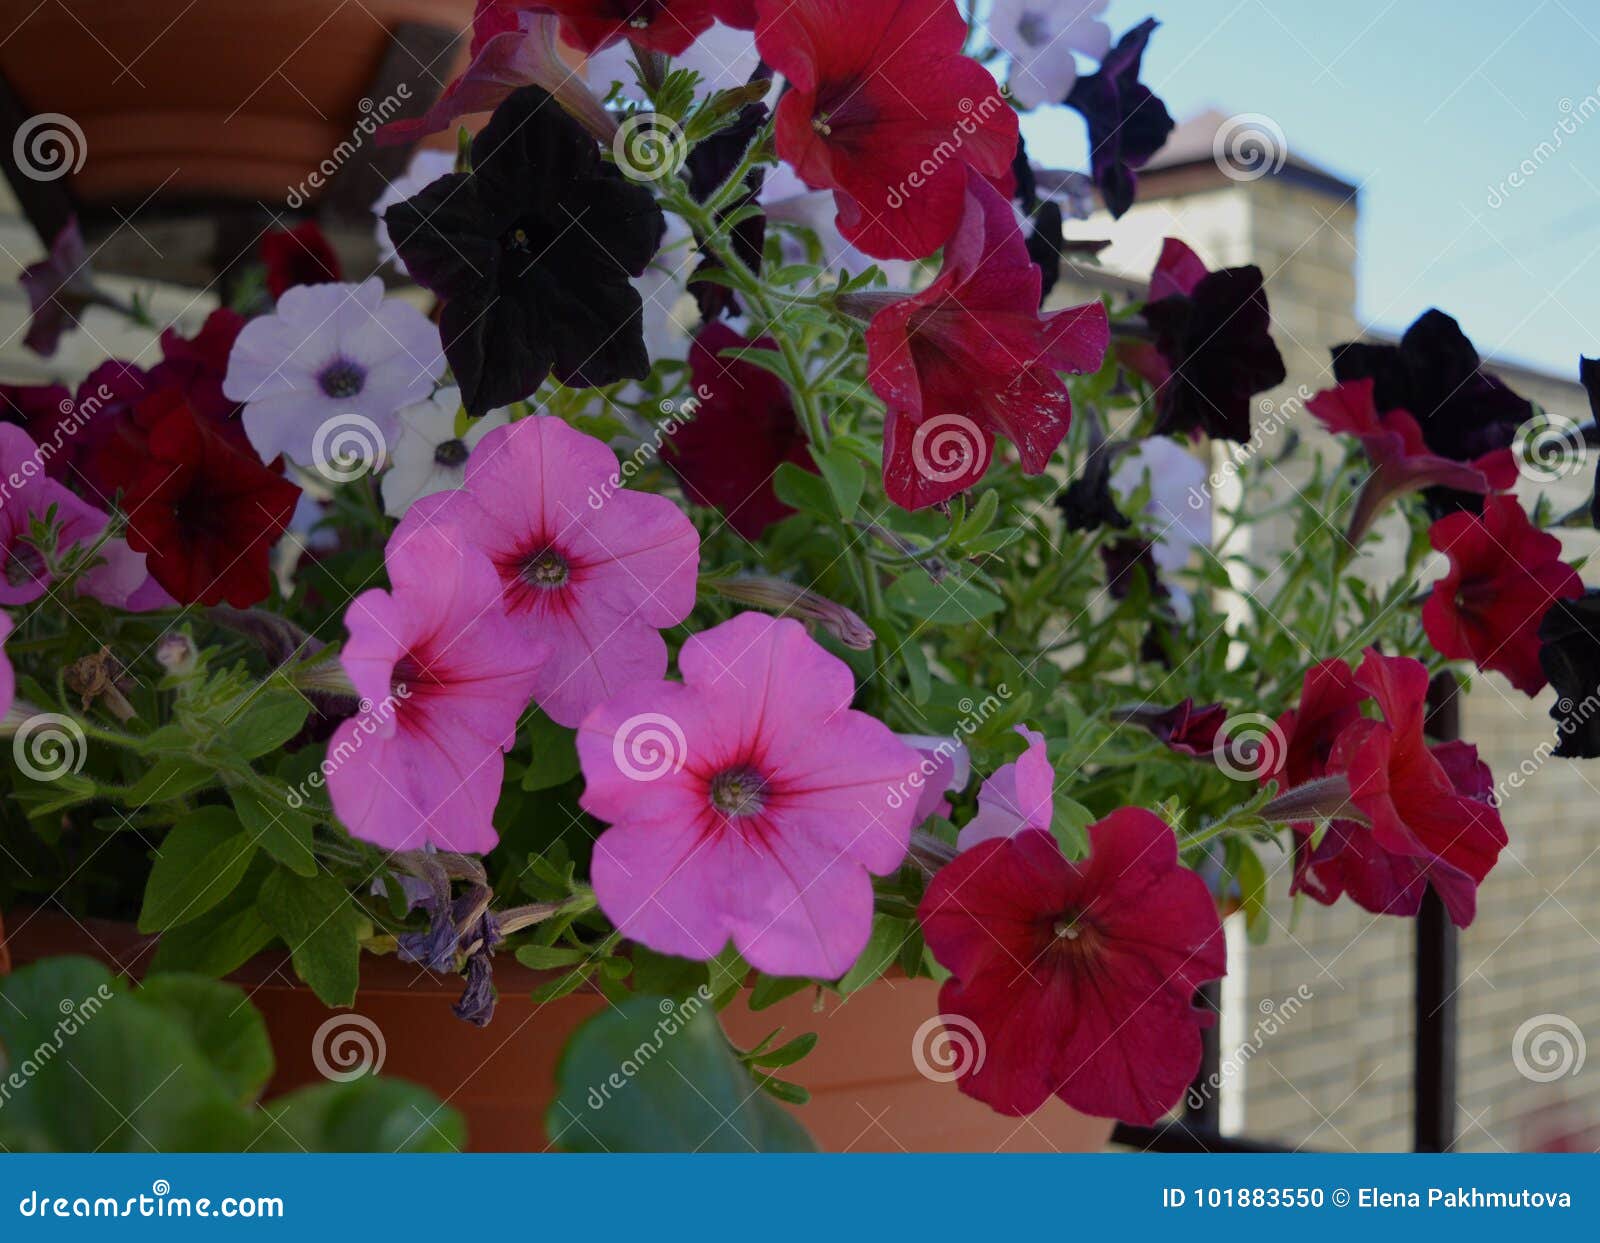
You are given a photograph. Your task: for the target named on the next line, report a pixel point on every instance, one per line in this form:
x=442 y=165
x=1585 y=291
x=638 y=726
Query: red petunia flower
x=1079 y=977
x=1414 y=814
x=301 y=255
x=884 y=110
x=971 y=356
x=205 y=512
x=742 y=429
x=1504 y=575
x=199 y=364
x=1401 y=460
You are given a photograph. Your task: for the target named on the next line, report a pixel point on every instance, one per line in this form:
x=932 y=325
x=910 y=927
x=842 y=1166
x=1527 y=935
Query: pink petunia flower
x=1079 y=977
x=443 y=677
x=588 y=567
x=1019 y=796
x=748 y=802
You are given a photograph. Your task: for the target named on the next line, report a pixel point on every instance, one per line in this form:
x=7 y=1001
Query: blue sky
x=1429 y=105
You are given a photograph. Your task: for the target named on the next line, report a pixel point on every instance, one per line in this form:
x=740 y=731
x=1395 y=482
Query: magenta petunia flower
x=748 y=803
x=586 y=566
x=1020 y=795
x=443 y=677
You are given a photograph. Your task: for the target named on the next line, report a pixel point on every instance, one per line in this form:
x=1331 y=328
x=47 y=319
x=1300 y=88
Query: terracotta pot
x=867 y=1094
x=234 y=99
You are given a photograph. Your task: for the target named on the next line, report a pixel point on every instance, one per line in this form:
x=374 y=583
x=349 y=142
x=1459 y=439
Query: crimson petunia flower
x=1401 y=460
x=1127 y=123
x=1436 y=375
x=970 y=357
x=206 y=512
x=1414 y=814
x=1504 y=575
x=1079 y=977
x=741 y=429
x=884 y=110
x=301 y=255
x=532 y=253
x=1213 y=349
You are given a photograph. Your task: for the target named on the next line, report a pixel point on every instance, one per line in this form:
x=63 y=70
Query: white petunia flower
x=1041 y=37
x=429 y=457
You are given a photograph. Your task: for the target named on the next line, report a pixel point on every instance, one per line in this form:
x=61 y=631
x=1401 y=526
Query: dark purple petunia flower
x=59 y=288
x=1127 y=123
x=1435 y=375
x=1213 y=348
x=1569 y=654
x=1589 y=377
x=532 y=253
x=1187 y=729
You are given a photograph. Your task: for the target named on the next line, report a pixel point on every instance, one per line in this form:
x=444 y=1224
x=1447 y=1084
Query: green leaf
x=1070 y=827
x=167 y=779
x=802 y=490
x=232 y=1037
x=364 y=1115
x=550 y=957
x=277 y=828
x=786 y=1054
x=153 y=1088
x=948 y=602
x=555 y=753
x=845 y=476
x=197 y=865
x=769 y=990
x=653 y=1075
x=321 y=925
x=889 y=933
x=265 y=723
